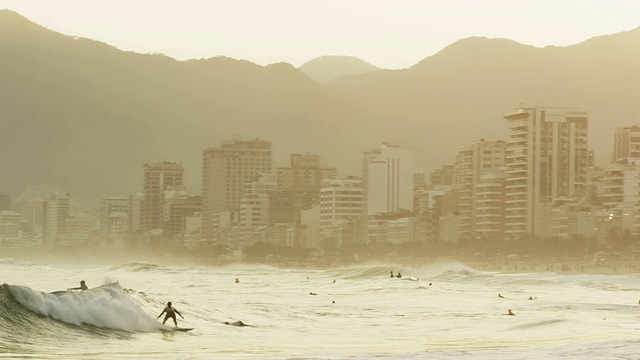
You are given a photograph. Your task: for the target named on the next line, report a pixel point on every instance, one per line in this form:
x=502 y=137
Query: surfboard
x=182 y=329
x=172 y=329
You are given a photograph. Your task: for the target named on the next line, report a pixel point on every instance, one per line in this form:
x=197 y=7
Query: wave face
x=105 y=307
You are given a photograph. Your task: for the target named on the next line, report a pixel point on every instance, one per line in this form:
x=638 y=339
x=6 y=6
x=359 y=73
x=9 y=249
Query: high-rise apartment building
x=443 y=176
x=626 y=143
x=178 y=206
x=472 y=162
x=225 y=171
x=115 y=215
x=305 y=173
x=340 y=200
x=388 y=180
x=55 y=218
x=620 y=183
x=341 y=218
x=489 y=202
x=298 y=188
x=79 y=228
x=10 y=222
x=547 y=158
x=158 y=178
x=254 y=205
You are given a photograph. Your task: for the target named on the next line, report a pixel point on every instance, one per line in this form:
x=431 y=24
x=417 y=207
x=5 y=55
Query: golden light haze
x=388 y=34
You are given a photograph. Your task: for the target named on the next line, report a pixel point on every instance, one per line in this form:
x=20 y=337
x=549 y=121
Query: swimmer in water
x=509 y=313
x=500 y=296
x=237 y=323
x=83 y=286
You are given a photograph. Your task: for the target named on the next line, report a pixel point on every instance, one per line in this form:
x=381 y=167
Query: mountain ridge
x=86 y=116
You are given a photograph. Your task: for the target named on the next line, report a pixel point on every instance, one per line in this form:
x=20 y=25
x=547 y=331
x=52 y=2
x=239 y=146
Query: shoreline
x=558 y=266
x=566 y=266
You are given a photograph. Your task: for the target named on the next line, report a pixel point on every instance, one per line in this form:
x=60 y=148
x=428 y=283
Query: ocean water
x=443 y=310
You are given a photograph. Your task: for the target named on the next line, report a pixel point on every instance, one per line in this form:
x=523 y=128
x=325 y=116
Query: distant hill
x=86 y=116
x=461 y=93
x=327 y=68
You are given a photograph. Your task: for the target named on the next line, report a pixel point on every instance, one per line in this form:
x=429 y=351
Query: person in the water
x=83 y=286
x=237 y=323
x=509 y=313
x=171 y=313
x=399 y=275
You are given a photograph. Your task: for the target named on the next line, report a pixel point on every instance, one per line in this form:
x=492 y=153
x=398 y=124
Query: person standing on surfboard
x=171 y=313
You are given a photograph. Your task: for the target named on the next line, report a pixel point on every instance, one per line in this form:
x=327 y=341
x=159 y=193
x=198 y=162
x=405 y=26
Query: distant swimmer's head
x=510 y=312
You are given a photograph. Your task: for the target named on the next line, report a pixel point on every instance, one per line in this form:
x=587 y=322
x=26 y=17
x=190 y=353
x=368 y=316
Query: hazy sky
x=386 y=33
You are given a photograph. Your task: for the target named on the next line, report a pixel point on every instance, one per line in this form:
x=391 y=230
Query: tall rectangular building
x=488 y=207
x=158 y=178
x=115 y=213
x=225 y=171
x=626 y=143
x=340 y=201
x=55 y=218
x=547 y=158
x=472 y=162
x=388 y=180
x=254 y=206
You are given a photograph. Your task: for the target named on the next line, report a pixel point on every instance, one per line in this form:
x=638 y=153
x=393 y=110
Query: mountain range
x=86 y=116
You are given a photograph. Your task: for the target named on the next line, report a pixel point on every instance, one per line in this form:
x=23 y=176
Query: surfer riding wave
x=171 y=313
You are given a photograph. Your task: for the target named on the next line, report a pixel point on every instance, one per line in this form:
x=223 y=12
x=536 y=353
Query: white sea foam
x=106 y=307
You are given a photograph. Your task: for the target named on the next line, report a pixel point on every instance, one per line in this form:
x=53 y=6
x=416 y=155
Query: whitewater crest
x=108 y=306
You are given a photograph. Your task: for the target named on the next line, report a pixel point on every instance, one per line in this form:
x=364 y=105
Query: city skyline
x=258 y=161
x=624 y=141
x=278 y=170
x=172 y=109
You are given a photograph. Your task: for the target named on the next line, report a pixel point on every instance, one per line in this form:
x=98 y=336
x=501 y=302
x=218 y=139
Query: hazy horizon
x=387 y=34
